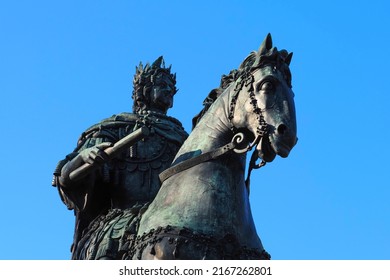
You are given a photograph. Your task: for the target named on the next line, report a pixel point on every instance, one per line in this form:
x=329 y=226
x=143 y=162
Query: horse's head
x=263 y=102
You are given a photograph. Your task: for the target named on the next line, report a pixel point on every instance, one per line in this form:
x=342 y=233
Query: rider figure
x=108 y=201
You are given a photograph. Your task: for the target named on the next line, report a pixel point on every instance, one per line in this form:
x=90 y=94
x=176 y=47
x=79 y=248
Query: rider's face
x=162 y=95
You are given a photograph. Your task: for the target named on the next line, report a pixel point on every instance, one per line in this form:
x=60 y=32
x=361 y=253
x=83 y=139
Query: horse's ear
x=288 y=58
x=266 y=45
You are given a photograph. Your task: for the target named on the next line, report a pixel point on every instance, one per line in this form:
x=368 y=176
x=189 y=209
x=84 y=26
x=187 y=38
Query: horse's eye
x=267 y=86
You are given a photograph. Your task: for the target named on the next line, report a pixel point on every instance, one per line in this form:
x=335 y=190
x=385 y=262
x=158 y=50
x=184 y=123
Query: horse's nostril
x=282 y=129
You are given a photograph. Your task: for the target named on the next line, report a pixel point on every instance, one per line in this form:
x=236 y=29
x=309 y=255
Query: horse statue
x=202 y=210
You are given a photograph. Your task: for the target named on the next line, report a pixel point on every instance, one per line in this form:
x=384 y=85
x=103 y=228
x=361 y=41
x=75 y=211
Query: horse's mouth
x=269 y=147
x=265 y=150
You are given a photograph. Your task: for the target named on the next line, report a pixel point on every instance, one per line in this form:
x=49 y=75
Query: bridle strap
x=253 y=165
x=184 y=165
x=235 y=144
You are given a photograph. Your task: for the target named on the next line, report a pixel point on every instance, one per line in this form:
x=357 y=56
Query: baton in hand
x=111 y=152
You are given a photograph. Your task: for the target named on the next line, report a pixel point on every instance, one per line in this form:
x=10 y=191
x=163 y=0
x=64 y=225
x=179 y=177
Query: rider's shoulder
x=108 y=125
x=122 y=119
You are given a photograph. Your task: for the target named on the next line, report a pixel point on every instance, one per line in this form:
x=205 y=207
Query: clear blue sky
x=65 y=65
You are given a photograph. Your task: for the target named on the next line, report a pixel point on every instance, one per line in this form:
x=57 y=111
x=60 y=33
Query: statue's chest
x=148 y=149
x=137 y=173
x=152 y=154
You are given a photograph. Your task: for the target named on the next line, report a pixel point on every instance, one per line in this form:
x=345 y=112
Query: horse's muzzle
x=283 y=140
x=280 y=142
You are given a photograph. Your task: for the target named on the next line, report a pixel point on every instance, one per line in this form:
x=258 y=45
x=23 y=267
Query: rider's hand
x=95 y=154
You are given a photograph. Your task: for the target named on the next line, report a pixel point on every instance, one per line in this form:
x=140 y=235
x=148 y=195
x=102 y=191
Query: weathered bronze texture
x=201 y=210
x=107 y=184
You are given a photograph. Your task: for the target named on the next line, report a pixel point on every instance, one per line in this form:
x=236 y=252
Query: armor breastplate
x=137 y=172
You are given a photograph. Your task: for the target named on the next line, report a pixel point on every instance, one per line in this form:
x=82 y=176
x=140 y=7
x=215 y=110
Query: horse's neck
x=203 y=197
x=211 y=132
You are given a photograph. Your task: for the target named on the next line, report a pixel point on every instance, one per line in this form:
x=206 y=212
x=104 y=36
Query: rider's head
x=154 y=87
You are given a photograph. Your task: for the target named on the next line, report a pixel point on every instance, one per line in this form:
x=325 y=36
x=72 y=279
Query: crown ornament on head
x=152 y=74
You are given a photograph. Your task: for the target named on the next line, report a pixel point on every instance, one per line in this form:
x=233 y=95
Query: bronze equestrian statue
x=108 y=201
x=201 y=210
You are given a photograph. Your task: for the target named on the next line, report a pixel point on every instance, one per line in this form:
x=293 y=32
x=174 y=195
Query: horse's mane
x=226 y=81
x=267 y=55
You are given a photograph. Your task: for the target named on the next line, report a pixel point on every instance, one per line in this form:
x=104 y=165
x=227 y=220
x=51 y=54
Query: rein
x=184 y=165
x=238 y=138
